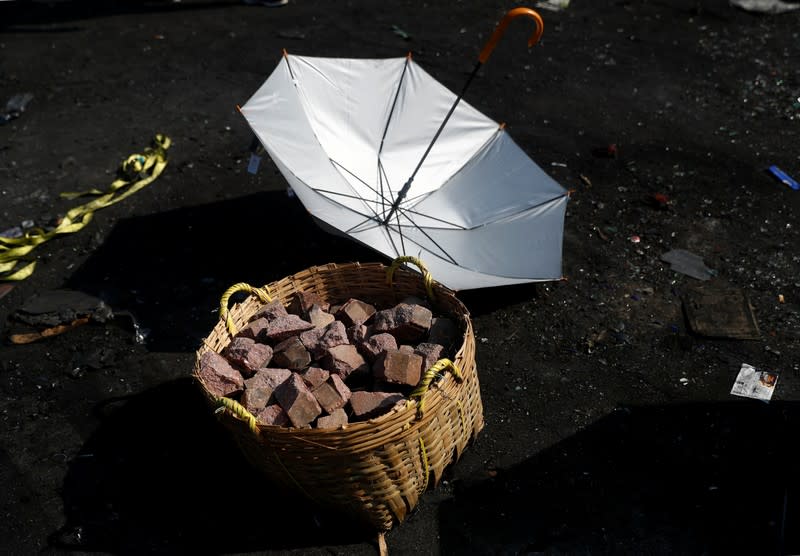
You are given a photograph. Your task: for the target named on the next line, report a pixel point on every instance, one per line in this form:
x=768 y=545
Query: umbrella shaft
x=402 y=194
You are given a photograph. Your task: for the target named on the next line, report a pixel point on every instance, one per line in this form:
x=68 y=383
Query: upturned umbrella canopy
x=364 y=145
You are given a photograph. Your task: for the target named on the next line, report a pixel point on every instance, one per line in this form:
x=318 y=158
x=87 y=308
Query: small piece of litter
x=751 y=383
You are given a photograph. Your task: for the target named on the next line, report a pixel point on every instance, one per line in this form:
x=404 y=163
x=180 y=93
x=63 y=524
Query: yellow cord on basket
x=137 y=171
x=239 y=410
x=262 y=293
x=426 y=276
x=419 y=392
x=424 y=464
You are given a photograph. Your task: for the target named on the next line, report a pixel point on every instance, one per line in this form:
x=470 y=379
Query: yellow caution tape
x=136 y=172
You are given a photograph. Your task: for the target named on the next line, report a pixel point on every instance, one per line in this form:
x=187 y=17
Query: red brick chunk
x=319 y=318
x=284 y=327
x=320 y=340
x=291 y=354
x=407 y=323
x=314 y=376
x=398 y=367
x=358 y=333
x=254 y=330
x=271 y=311
x=256 y=399
x=376 y=344
x=332 y=394
x=273 y=414
x=333 y=421
x=366 y=405
x=302 y=302
x=267 y=380
x=355 y=311
x=344 y=360
x=430 y=353
x=218 y=376
x=248 y=354
x=297 y=401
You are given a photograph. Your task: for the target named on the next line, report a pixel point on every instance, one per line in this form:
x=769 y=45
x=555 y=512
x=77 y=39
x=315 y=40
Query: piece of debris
x=720 y=312
x=765 y=6
x=751 y=383
x=30 y=337
x=400 y=33
x=553 y=5
x=687 y=263
x=56 y=307
x=15 y=106
x=783 y=177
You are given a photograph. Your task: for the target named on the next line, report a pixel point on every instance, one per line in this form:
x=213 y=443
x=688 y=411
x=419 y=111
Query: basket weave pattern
x=374 y=470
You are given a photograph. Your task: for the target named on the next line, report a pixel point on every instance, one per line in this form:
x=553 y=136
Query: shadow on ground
x=170 y=269
x=705 y=478
x=159 y=475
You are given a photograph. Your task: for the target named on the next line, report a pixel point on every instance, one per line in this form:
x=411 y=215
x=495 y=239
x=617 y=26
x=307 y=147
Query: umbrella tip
x=238 y=109
x=285 y=54
x=408 y=56
x=502 y=125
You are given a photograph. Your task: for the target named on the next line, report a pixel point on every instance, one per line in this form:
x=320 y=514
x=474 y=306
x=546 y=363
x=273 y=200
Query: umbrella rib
x=381 y=171
x=355 y=196
x=394 y=103
x=423 y=232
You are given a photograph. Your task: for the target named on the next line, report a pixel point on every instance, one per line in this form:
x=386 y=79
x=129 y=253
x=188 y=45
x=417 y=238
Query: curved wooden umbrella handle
x=501 y=28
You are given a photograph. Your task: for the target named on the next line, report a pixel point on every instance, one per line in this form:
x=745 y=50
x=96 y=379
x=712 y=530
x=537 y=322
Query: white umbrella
x=366 y=148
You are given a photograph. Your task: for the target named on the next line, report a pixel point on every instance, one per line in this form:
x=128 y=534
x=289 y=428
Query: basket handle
x=239 y=410
x=422 y=388
x=262 y=293
x=426 y=275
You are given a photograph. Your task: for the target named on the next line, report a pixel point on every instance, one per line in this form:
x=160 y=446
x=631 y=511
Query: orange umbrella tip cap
x=285 y=54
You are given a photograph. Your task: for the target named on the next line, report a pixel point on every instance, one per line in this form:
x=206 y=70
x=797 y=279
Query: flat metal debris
x=720 y=312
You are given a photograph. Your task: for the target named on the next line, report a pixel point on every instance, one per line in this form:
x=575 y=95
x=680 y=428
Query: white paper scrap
x=751 y=383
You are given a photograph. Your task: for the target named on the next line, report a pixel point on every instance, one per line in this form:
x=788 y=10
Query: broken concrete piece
x=366 y=405
x=267 y=380
x=314 y=376
x=302 y=302
x=430 y=353
x=291 y=354
x=358 y=333
x=248 y=354
x=297 y=401
x=218 y=376
x=335 y=420
x=273 y=414
x=407 y=323
x=256 y=399
x=355 y=311
x=319 y=318
x=332 y=394
x=398 y=367
x=284 y=327
x=318 y=341
x=271 y=311
x=377 y=344
x=254 y=330
x=344 y=360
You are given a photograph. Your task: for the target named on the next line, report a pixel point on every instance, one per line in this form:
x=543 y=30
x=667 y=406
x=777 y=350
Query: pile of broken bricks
x=315 y=365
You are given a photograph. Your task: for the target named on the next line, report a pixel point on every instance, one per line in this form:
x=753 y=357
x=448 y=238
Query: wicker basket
x=374 y=470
